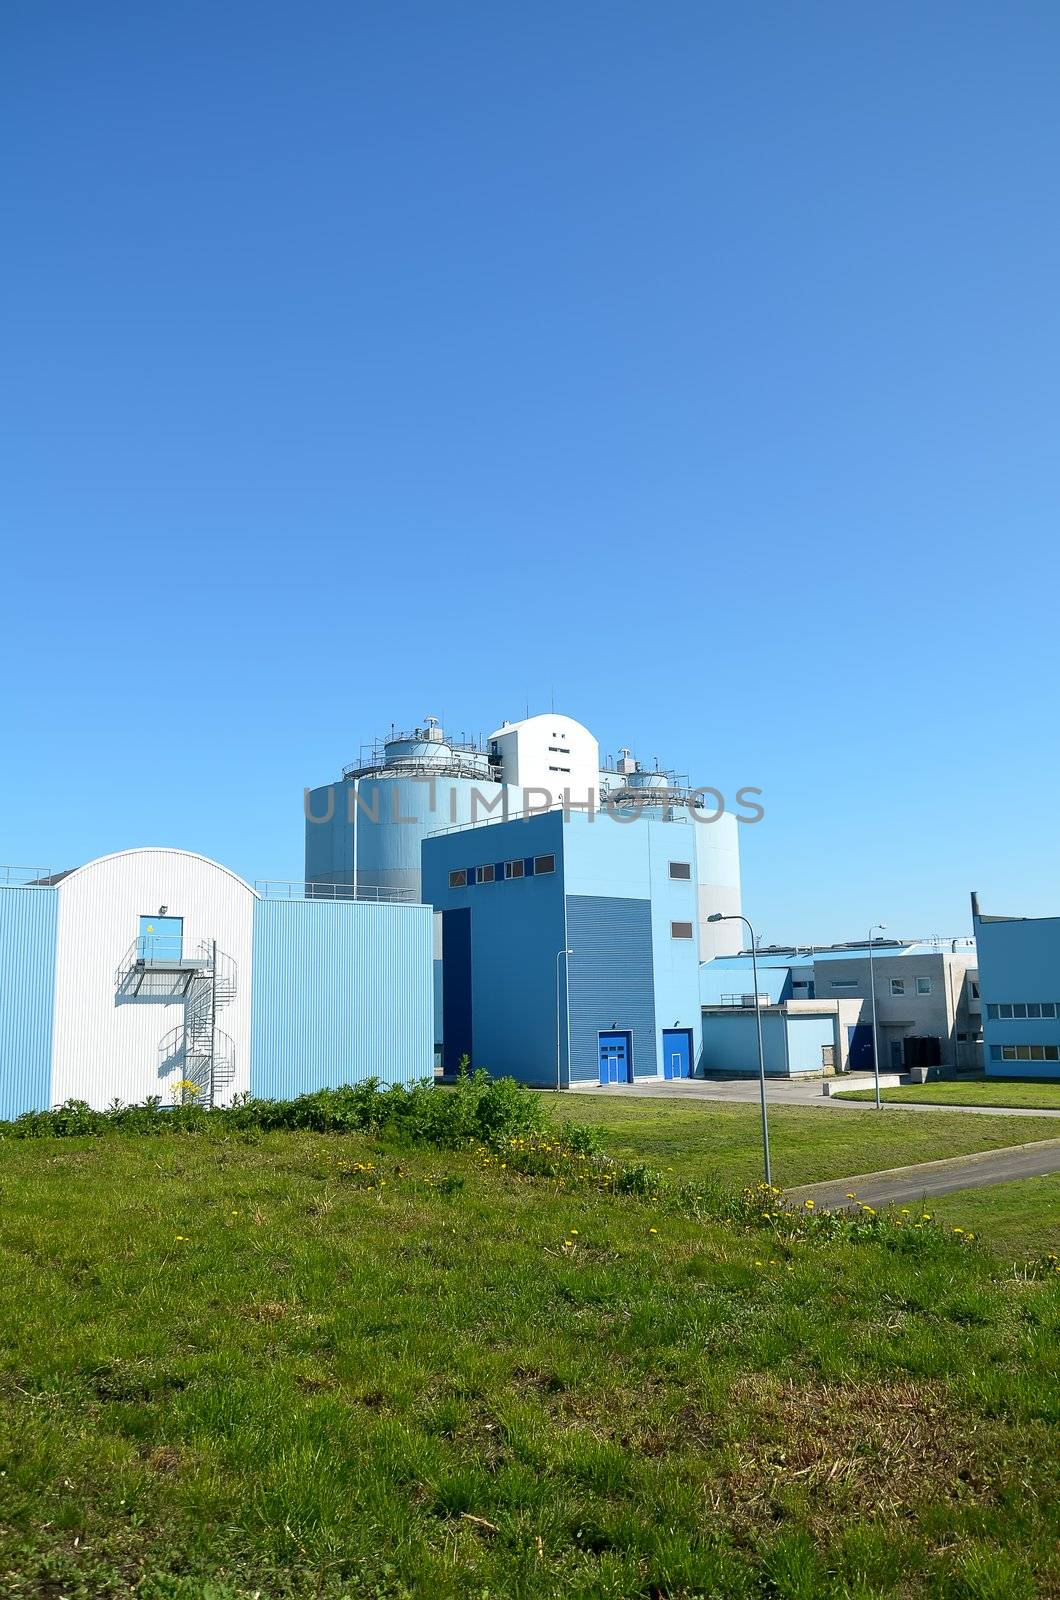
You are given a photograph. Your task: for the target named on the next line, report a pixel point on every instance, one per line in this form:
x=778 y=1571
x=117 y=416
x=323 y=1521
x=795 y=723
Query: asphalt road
x=902 y=1185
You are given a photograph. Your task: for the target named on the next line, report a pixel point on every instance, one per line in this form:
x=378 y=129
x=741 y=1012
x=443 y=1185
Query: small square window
x=514 y=869
x=1052 y=1052
x=680 y=930
x=995 y=1052
x=1033 y=1008
x=923 y=986
x=1023 y=1052
x=1004 y=1011
x=1049 y=1009
x=680 y=869
x=991 y=1012
x=544 y=864
x=487 y=873
x=1008 y=1052
x=458 y=879
x=1037 y=1052
x=1019 y=1009
x=898 y=986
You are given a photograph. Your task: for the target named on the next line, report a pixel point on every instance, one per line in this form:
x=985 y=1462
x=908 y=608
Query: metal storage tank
x=364 y=832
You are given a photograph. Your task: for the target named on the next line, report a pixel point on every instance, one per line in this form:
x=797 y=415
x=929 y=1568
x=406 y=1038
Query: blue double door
x=677 y=1053
x=616 y=1062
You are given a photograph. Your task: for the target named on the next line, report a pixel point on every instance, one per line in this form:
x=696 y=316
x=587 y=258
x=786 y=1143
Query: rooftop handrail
x=293 y=889
x=14 y=877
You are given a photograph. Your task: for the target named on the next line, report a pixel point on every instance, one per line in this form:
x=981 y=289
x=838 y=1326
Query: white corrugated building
x=159 y=972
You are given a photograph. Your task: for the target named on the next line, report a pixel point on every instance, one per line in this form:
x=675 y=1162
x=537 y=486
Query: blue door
x=615 y=1064
x=677 y=1053
x=859 y=1048
x=161 y=939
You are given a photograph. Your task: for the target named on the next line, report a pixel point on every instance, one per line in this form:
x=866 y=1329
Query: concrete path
x=789 y=1092
x=906 y=1185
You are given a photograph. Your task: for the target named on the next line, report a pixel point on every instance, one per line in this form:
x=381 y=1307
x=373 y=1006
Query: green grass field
x=300 y=1365
x=700 y=1139
x=972 y=1092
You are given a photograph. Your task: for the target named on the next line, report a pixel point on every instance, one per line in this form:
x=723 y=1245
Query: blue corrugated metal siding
x=341 y=991
x=610 y=980
x=28 y=922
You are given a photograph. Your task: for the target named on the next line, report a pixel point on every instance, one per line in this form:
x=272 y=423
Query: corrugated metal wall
x=107 y=1045
x=610 y=980
x=342 y=991
x=28 y=919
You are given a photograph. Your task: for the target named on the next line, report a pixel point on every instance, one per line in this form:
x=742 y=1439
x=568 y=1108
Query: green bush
x=477 y=1109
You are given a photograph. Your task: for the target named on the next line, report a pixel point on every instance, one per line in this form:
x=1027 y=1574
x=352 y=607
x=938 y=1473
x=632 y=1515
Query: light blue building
x=569 y=945
x=1019 y=983
x=158 y=972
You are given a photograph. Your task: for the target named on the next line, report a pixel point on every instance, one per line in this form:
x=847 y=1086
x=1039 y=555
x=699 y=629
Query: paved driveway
x=902 y=1185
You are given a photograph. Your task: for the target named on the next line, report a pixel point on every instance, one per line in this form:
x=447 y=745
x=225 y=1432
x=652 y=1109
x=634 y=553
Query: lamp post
x=559 y=957
x=877 y=927
x=735 y=916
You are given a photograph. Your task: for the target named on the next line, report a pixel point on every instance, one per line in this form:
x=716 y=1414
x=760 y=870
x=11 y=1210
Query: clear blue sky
x=698 y=364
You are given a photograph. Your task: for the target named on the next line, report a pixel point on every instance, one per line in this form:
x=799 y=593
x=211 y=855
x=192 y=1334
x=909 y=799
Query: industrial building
x=367 y=829
x=159 y=972
x=570 y=951
x=928 y=1010
x=1019 y=979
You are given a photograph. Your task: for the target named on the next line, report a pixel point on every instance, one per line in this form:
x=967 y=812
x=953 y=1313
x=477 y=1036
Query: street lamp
x=559 y=956
x=877 y=927
x=735 y=916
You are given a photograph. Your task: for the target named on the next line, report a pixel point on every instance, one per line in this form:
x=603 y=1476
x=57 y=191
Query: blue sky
x=698 y=365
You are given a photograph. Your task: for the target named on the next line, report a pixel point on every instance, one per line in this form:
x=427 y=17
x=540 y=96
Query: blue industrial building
x=1019 y=983
x=569 y=946
x=158 y=972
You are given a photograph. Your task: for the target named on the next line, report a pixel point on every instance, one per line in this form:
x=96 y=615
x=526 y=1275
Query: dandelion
x=574 y=1231
x=809 y=1205
x=958 y=1230
x=653 y=1230
x=181 y=1238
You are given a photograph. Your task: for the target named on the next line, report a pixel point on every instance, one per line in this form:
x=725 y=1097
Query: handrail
x=293 y=889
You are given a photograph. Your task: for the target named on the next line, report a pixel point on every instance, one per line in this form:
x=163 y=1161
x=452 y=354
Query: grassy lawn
x=262 y=1365
x=973 y=1092
x=1013 y=1219
x=700 y=1139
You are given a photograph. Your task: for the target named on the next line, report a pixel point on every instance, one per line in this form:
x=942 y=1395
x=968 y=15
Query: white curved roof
x=159 y=850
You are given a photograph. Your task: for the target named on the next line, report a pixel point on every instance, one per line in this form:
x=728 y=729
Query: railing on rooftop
x=290 y=889
x=27 y=877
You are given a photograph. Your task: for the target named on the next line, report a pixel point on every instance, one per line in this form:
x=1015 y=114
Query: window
x=680 y=869
x=1033 y=1009
x=923 y=986
x=486 y=874
x=991 y=1012
x=975 y=990
x=1019 y=1009
x=898 y=986
x=1049 y=1008
x=1024 y=1052
x=844 y=983
x=680 y=930
x=458 y=879
x=544 y=864
x=513 y=869
x=1004 y=1011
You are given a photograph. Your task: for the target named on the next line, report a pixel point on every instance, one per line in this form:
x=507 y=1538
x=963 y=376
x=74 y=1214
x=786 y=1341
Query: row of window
x=1020 y=1009
x=1025 y=1052
x=534 y=866
x=923 y=985
x=521 y=867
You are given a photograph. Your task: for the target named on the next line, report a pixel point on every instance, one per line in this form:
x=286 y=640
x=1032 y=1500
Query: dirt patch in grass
x=882 y=1445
